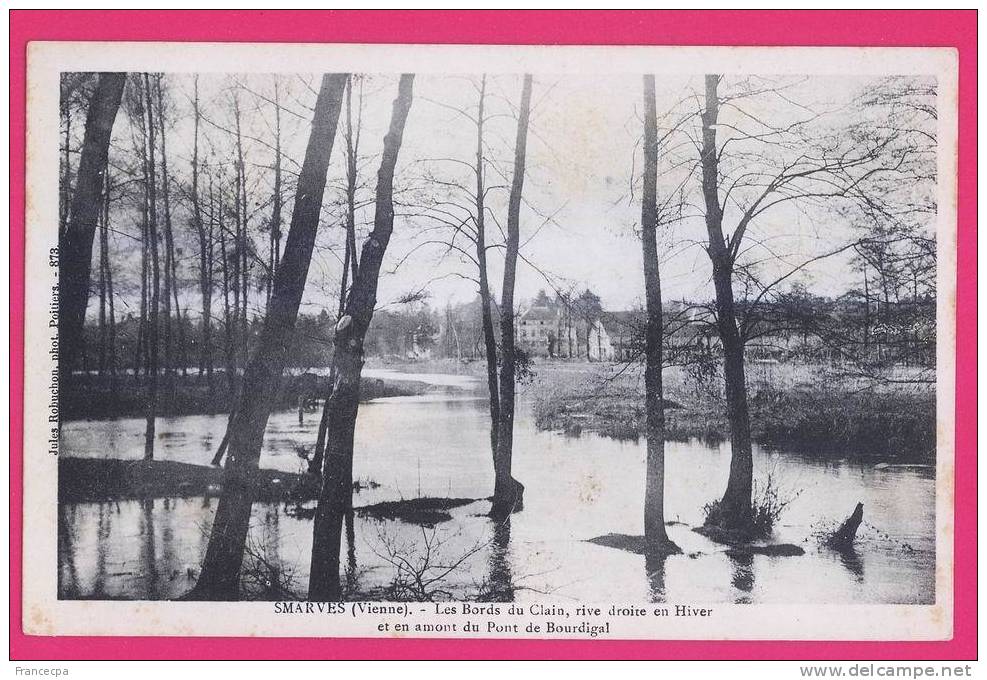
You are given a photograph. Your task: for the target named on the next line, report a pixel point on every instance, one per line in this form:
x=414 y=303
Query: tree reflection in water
x=743 y=574
x=103 y=535
x=501 y=581
x=853 y=561
x=654 y=566
x=148 y=553
x=351 y=575
x=68 y=576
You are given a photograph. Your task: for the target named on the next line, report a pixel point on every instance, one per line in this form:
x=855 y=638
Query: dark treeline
x=864 y=333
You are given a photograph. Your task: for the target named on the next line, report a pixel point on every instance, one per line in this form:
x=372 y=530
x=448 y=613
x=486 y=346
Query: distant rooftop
x=540 y=313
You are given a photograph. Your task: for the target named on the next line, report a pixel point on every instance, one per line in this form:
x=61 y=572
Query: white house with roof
x=548 y=331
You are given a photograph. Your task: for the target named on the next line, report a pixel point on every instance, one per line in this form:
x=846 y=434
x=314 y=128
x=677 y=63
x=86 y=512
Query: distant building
x=776 y=331
x=684 y=330
x=537 y=331
x=626 y=331
x=598 y=344
x=550 y=330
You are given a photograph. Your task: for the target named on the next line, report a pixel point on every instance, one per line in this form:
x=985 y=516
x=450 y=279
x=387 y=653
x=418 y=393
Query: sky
x=582 y=184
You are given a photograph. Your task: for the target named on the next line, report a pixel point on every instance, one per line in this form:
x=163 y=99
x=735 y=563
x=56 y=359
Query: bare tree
x=654 y=493
x=224 y=555
x=241 y=215
x=171 y=288
x=205 y=242
x=75 y=248
x=736 y=503
x=776 y=164
x=486 y=304
x=464 y=221
x=276 y=201
x=105 y=284
x=228 y=259
x=350 y=260
x=893 y=213
x=152 y=357
x=335 y=496
x=508 y=492
x=459 y=209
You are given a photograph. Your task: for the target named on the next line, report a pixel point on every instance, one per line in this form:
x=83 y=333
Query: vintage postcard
x=462 y=341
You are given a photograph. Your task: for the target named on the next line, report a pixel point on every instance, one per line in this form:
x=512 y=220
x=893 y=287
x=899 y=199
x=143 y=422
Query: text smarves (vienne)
x=492 y=619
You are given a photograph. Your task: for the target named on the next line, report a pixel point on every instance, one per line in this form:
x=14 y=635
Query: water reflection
x=742 y=574
x=654 y=567
x=148 y=556
x=102 y=536
x=853 y=561
x=350 y=573
x=264 y=575
x=501 y=580
x=68 y=575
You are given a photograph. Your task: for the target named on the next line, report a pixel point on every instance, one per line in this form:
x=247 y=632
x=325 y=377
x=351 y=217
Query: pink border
x=884 y=28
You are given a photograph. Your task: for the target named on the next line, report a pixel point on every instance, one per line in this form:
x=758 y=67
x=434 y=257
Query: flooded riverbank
x=578 y=488
x=91 y=396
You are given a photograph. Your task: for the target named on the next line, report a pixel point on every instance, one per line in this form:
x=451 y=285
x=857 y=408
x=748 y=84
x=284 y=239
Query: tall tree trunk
x=205 y=246
x=489 y=339
x=170 y=280
x=508 y=492
x=336 y=493
x=224 y=554
x=242 y=220
x=231 y=322
x=180 y=318
x=76 y=244
x=108 y=270
x=229 y=318
x=235 y=254
x=65 y=180
x=568 y=323
x=151 y=372
x=352 y=156
x=866 y=310
x=140 y=349
x=735 y=506
x=318 y=454
x=210 y=268
x=276 y=210
x=654 y=489
x=102 y=282
x=350 y=261
x=182 y=349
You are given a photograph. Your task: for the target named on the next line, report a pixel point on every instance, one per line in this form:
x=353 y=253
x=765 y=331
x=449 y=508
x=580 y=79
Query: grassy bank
x=108 y=479
x=95 y=397
x=791 y=407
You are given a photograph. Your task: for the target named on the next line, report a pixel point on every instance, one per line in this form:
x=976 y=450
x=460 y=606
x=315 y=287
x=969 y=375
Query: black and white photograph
x=582 y=331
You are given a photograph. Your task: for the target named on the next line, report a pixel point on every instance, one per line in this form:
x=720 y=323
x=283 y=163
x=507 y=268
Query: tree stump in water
x=843 y=537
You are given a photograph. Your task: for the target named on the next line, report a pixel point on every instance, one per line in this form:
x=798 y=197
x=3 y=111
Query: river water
x=577 y=488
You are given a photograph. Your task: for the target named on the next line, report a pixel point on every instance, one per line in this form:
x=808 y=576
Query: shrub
x=768 y=503
x=892 y=425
